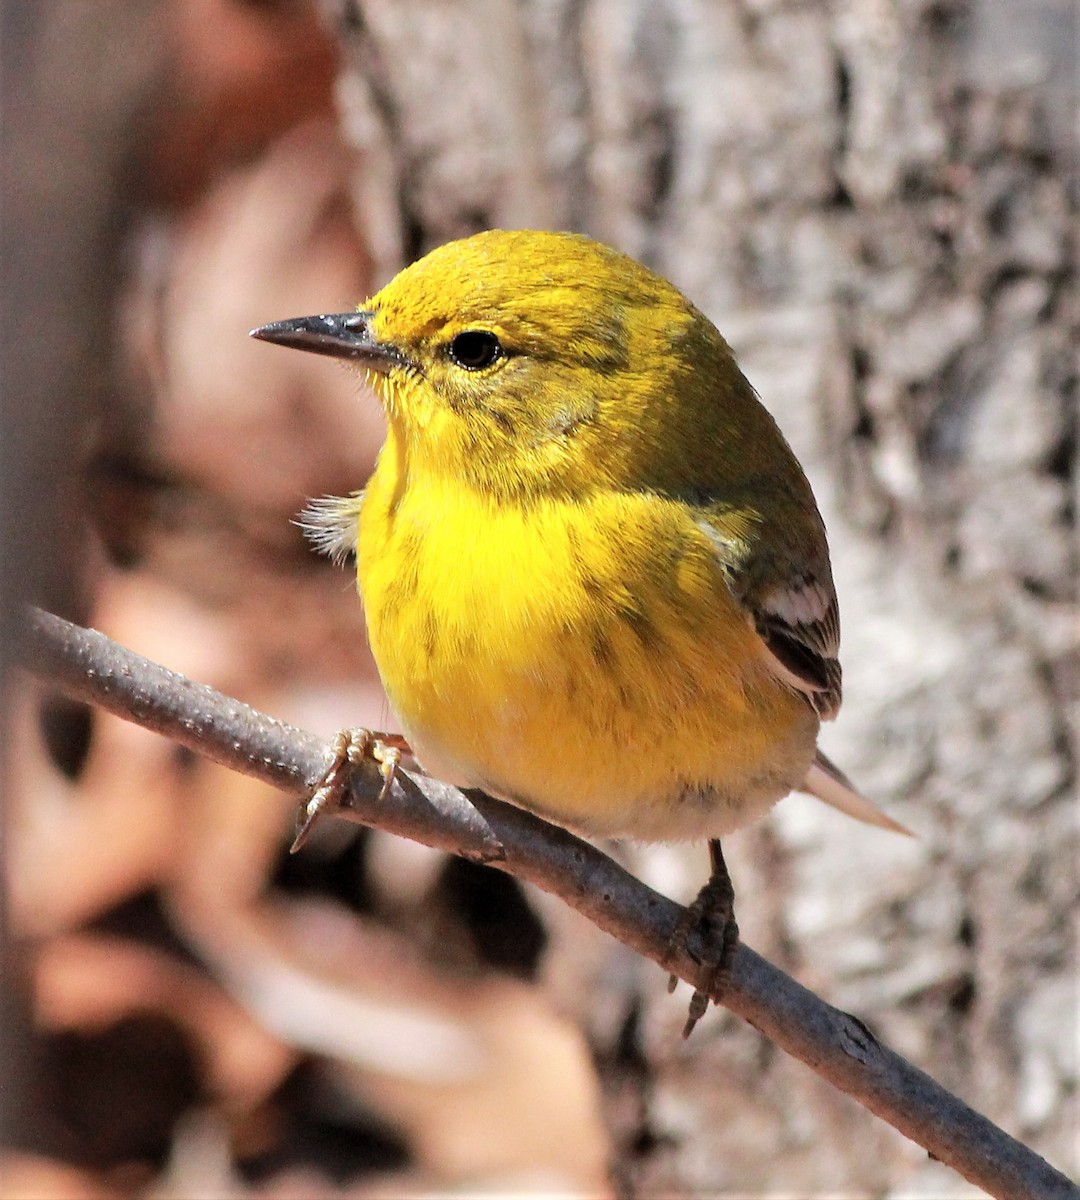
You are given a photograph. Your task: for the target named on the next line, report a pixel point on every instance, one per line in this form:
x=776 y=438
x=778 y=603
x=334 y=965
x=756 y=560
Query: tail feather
x=829 y=783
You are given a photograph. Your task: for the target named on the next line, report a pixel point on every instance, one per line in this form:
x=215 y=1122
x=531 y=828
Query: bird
x=596 y=581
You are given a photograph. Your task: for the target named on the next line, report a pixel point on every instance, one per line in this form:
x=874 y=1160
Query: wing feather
x=797 y=618
x=800 y=624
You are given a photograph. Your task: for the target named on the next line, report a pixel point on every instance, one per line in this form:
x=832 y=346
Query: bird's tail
x=829 y=783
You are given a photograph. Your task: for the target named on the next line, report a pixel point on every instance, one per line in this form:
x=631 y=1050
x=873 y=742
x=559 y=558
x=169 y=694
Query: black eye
x=475 y=349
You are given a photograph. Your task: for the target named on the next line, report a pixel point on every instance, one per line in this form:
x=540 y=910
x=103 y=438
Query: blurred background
x=877 y=204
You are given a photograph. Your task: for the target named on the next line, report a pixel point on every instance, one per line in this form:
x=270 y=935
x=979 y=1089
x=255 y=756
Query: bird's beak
x=343 y=335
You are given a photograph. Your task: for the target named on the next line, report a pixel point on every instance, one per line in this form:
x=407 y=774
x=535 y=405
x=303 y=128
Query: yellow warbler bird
x=596 y=581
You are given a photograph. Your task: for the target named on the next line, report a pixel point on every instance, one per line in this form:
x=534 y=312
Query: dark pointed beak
x=343 y=335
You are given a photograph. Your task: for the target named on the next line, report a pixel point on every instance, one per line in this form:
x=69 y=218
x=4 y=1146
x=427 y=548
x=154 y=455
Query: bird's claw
x=712 y=915
x=350 y=748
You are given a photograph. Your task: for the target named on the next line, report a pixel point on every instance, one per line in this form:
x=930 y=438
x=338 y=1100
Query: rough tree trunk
x=872 y=200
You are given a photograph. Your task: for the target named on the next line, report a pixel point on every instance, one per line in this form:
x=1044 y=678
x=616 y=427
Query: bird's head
x=531 y=363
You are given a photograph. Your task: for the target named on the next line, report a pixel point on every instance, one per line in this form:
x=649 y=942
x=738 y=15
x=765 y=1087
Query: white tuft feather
x=330 y=525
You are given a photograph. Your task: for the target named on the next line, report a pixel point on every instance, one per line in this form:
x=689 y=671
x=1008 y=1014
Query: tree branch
x=839 y=1047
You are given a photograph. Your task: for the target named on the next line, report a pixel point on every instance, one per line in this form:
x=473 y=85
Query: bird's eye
x=475 y=349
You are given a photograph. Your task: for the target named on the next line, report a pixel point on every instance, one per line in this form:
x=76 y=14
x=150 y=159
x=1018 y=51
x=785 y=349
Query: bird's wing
x=330 y=524
x=793 y=609
x=800 y=624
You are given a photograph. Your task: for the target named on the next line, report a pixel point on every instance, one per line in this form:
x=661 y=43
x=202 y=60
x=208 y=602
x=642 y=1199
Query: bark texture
x=875 y=202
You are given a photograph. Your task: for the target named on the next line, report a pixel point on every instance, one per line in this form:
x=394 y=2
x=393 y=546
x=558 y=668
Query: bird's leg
x=351 y=747
x=712 y=915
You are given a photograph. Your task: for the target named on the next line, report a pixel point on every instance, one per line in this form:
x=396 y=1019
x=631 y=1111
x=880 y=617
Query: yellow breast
x=582 y=658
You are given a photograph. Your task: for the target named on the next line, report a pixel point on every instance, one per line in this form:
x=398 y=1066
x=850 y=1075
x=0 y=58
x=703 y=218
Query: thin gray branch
x=839 y=1047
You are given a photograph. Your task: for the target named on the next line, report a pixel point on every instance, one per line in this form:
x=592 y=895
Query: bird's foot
x=712 y=918
x=351 y=747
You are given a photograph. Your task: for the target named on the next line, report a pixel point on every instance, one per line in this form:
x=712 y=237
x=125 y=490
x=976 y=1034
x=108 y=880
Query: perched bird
x=595 y=578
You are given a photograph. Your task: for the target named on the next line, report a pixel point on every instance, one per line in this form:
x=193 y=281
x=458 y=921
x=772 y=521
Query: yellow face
x=529 y=363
